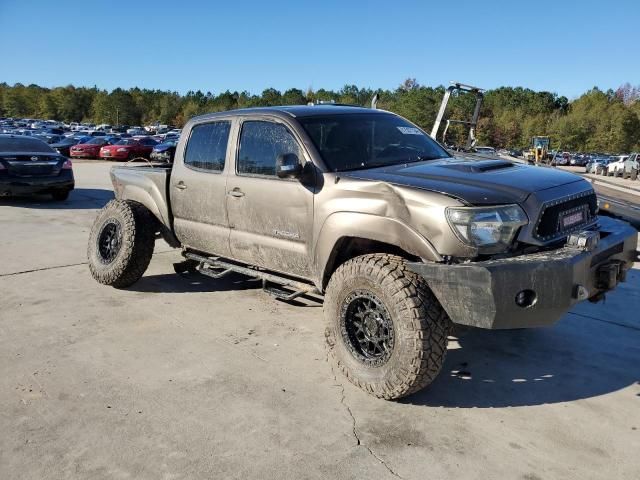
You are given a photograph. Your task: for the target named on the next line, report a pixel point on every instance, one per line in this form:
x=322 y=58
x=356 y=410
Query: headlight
x=490 y=229
x=122 y=150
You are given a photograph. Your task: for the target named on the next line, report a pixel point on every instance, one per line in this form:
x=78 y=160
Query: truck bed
x=147 y=184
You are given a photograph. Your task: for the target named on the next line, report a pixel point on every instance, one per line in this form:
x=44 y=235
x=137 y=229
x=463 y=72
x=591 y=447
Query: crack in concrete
x=354 y=429
x=42 y=269
x=54 y=267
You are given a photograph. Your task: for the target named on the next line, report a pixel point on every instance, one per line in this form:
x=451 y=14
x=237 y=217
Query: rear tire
x=121 y=243
x=399 y=307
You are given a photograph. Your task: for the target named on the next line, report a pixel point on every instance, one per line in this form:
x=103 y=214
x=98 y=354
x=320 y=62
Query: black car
x=164 y=152
x=63 y=146
x=30 y=166
x=49 y=137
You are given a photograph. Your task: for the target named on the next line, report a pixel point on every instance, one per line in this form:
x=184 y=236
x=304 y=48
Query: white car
x=625 y=166
x=488 y=151
x=597 y=165
x=137 y=131
x=616 y=164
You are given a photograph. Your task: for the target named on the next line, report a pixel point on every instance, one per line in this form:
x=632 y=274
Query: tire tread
x=428 y=327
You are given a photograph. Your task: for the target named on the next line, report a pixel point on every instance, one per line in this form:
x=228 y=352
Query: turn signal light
x=67 y=165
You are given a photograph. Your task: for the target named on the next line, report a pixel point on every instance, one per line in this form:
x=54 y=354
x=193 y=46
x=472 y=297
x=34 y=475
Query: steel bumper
x=533 y=290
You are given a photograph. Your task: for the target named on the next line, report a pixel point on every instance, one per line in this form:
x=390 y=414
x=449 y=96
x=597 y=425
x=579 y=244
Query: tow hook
x=609 y=274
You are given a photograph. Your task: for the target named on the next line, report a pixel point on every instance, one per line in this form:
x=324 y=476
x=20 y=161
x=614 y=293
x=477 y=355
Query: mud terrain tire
x=419 y=324
x=121 y=243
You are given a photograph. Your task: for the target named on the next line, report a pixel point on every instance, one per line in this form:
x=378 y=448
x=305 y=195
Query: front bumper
x=111 y=155
x=483 y=294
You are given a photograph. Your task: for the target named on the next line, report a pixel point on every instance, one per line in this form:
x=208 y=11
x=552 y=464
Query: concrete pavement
x=189 y=377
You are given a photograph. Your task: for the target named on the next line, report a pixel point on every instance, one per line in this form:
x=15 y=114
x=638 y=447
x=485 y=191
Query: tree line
x=597 y=121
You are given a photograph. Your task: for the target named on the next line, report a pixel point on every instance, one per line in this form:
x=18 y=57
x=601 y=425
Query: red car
x=128 y=148
x=90 y=149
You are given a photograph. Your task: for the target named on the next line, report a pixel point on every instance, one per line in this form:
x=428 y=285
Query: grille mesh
x=549 y=223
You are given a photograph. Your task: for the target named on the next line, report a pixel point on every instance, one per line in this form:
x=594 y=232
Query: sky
x=566 y=47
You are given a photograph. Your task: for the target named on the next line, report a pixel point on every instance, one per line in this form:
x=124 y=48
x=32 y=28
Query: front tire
x=386 y=331
x=121 y=243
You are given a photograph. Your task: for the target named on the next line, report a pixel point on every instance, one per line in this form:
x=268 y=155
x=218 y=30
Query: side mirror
x=288 y=166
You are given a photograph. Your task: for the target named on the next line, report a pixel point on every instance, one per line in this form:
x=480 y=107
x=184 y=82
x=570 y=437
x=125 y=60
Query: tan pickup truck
x=362 y=206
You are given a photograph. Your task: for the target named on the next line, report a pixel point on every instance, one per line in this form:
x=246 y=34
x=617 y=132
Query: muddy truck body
x=361 y=206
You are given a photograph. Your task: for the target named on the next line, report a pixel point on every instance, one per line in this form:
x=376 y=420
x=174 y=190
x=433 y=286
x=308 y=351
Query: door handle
x=236 y=192
x=180 y=185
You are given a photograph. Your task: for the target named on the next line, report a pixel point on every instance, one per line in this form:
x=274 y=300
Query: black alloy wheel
x=109 y=241
x=367 y=328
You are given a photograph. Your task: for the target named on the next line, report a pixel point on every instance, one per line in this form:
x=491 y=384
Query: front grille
x=549 y=225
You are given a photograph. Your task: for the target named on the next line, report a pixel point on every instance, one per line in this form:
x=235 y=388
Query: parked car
x=30 y=166
x=597 y=165
x=49 y=137
x=486 y=151
x=561 y=158
x=89 y=149
x=602 y=165
x=63 y=147
x=515 y=152
x=402 y=238
x=165 y=151
x=578 y=160
x=615 y=162
x=625 y=166
x=136 y=131
x=128 y=148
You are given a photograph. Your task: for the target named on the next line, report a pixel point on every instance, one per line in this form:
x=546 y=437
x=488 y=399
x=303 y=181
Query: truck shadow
x=578 y=358
x=193 y=283
x=79 y=199
x=198 y=283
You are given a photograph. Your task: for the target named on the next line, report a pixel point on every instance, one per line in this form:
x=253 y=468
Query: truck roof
x=296 y=111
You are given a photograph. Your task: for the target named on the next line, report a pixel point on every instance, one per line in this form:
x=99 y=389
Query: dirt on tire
x=137 y=240
x=420 y=324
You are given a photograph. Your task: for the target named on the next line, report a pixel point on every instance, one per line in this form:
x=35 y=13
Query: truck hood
x=474 y=182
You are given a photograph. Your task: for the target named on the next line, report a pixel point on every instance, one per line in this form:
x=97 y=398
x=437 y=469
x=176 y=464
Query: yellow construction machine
x=539 y=152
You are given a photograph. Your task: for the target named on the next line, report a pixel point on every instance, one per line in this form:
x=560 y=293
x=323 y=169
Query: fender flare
x=340 y=225
x=146 y=198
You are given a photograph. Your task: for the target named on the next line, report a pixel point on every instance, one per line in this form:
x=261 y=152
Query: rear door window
x=207 y=146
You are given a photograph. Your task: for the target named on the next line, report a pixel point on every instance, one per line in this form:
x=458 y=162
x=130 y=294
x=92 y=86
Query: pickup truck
x=362 y=206
x=625 y=166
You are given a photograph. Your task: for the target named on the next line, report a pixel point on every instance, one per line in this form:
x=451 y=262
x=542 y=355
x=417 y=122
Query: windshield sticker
x=410 y=130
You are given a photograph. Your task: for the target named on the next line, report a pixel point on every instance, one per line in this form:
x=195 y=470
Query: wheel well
x=347 y=248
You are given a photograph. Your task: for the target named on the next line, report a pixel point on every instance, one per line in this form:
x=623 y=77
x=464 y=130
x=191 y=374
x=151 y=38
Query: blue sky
x=251 y=45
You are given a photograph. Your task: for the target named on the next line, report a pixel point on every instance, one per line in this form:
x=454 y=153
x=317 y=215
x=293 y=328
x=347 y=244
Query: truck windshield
x=359 y=141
